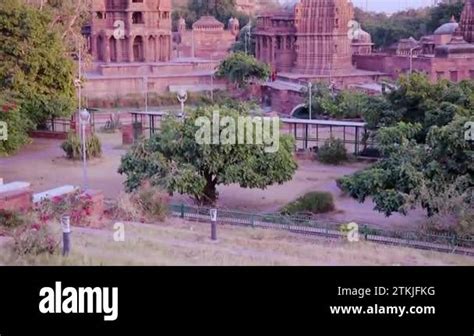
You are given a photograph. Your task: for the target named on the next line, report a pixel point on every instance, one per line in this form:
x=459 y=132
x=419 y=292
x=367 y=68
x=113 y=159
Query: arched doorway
x=300 y=112
x=152 y=49
x=138 y=52
x=100 y=48
x=113 y=49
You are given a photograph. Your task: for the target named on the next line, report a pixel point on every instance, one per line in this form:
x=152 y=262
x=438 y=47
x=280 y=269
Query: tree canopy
x=175 y=160
x=389 y=29
x=419 y=130
x=35 y=66
x=240 y=68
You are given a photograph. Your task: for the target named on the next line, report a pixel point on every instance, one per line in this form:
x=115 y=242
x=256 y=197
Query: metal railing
x=306 y=225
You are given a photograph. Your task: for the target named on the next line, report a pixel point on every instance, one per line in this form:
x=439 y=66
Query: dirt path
x=42 y=164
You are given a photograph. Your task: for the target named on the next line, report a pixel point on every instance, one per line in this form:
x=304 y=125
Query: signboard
x=213 y=214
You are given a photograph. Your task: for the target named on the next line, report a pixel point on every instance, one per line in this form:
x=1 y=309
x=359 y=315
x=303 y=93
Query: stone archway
x=100 y=48
x=138 y=52
x=113 y=49
x=152 y=49
x=297 y=108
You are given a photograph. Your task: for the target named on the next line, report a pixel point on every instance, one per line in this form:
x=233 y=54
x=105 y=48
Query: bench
x=52 y=193
x=13 y=186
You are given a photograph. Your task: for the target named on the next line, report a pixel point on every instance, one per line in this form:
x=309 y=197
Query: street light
x=411 y=58
x=310 y=90
x=85 y=118
x=182 y=97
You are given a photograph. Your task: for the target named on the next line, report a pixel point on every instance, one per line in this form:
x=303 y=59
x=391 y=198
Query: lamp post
x=85 y=118
x=145 y=88
x=411 y=58
x=310 y=91
x=182 y=97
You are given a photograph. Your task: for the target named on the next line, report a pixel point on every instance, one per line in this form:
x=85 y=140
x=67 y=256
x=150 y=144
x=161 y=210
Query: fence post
x=66 y=226
x=213 y=213
x=182 y=210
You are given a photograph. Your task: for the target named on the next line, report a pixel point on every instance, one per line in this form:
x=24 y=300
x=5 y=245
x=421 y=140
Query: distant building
x=207 y=39
x=146 y=33
x=446 y=54
x=311 y=42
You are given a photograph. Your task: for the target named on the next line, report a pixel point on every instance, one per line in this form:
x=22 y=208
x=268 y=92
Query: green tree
x=240 y=68
x=15 y=124
x=35 y=65
x=176 y=161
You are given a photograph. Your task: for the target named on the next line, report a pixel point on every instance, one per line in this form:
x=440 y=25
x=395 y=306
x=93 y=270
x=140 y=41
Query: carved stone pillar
x=107 y=49
x=130 y=48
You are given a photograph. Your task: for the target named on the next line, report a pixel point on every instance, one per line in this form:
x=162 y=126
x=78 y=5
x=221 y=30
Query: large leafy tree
x=240 y=68
x=35 y=65
x=175 y=160
x=419 y=130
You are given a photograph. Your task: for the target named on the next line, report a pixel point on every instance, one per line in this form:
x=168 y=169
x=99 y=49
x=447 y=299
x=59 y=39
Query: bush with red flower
x=35 y=239
x=78 y=206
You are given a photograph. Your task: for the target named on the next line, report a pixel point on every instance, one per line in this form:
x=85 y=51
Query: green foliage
x=389 y=29
x=222 y=10
x=12 y=219
x=412 y=174
x=34 y=65
x=16 y=125
x=73 y=147
x=344 y=104
x=240 y=68
x=333 y=152
x=175 y=160
x=313 y=203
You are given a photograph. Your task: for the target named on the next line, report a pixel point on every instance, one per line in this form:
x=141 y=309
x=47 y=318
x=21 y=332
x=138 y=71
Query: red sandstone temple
x=147 y=31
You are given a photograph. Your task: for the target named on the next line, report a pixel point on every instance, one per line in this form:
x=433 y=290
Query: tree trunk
x=210 y=192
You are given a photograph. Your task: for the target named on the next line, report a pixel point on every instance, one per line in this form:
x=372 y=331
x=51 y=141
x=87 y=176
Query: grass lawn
x=177 y=242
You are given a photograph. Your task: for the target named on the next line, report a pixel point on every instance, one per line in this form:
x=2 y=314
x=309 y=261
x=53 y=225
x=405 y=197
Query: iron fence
x=307 y=225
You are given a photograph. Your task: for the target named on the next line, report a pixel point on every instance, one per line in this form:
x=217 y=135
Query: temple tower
x=323 y=46
x=467 y=21
x=131 y=31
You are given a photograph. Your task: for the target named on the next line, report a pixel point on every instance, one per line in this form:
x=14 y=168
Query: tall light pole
x=310 y=91
x=411 y=58
x=145 y=88
x=85 y=118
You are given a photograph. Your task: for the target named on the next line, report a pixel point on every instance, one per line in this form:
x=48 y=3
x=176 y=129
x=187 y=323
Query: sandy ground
x=177 y=242
x=42 y=164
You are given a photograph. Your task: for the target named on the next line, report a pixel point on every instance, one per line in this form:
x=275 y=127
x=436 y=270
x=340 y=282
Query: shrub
x=147 y=204
x=13 y=125
x=73 y=147
x=78 y=206
x=35 y=240
x=313 y=202
x=9 y=219
x=332 y=152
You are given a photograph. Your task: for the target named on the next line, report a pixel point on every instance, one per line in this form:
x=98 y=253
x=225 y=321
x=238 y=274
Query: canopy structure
x=313 y=133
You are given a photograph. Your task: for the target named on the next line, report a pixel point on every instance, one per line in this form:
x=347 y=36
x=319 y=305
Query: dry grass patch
x=178 y=242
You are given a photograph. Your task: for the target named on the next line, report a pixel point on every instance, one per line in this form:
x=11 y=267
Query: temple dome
x=447 y=28
x=208 y=22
